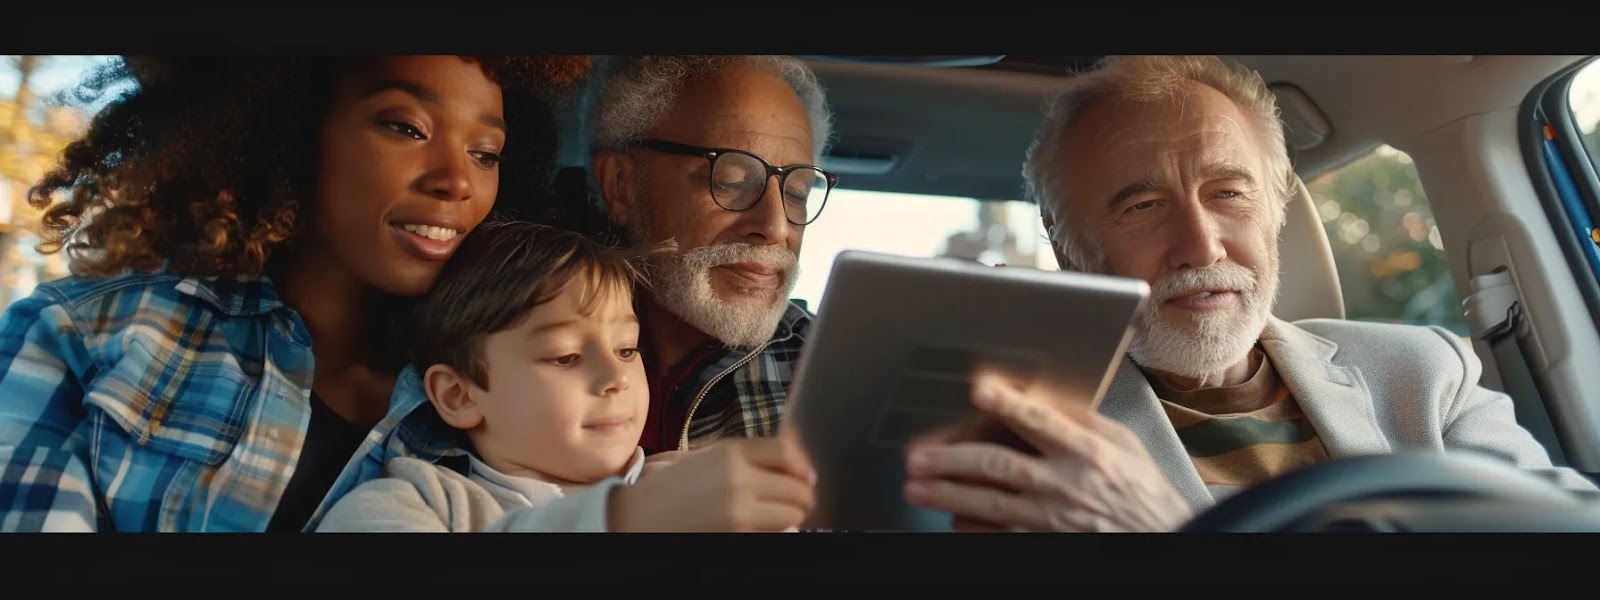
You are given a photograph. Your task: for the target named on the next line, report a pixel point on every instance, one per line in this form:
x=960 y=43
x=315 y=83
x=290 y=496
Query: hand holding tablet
x=893 y=354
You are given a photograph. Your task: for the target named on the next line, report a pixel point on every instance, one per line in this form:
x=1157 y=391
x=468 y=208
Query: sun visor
x=1304 y=125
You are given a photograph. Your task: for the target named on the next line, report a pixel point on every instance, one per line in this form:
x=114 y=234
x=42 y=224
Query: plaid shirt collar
x=745 y=391
x=233 y=297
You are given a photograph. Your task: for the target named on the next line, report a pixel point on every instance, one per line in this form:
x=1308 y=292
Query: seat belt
x=1495 y=316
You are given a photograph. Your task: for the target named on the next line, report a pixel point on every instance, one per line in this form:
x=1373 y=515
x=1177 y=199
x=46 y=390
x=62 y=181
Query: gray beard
x=1201 y=345
x=681 y=284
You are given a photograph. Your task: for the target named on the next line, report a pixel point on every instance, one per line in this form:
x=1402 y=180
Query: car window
x=1584 y=98
x=988 y=231
x=1385 y=243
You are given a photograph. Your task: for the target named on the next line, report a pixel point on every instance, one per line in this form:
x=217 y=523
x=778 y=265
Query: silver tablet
x=891 y=354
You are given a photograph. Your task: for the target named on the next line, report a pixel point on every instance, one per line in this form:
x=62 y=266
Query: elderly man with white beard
x=1174 y=170
x=716 y=154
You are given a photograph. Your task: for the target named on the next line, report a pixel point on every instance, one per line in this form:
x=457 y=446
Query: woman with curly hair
x=245 y=234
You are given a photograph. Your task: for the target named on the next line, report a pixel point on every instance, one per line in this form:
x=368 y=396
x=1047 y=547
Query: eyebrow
x=1211 y=171
x=564 y=323
x=424 y=94
x=1138 y=187
x=1227 y=170
x=420 y=91
x=551 y=326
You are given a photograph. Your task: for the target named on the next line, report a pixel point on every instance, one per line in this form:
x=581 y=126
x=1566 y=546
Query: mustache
x=1225 y=276
x=715 y=255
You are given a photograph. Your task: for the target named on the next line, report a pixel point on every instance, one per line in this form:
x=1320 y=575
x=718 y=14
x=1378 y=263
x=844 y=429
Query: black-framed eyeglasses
x=738 y=180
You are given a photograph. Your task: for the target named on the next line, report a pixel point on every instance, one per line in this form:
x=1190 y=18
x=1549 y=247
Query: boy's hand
x=758 y=484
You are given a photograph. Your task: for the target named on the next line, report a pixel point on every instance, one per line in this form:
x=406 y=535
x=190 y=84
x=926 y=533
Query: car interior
x=1470 y=125
x=1493 y=236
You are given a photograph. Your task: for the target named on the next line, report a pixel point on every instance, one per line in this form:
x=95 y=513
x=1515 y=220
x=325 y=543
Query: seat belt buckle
x=1493 y=310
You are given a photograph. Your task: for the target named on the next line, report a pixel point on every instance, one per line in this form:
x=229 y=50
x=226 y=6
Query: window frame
x=1549 y=103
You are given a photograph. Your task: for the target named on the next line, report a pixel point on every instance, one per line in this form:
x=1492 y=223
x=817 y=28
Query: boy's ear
x=451 y=395
x=613 y=171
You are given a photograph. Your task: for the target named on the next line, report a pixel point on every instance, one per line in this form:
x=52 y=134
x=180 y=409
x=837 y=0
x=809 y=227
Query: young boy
x=527 y=344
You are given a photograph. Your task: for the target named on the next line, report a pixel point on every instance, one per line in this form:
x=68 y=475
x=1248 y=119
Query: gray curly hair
x=1145 y=79
x=634 y=93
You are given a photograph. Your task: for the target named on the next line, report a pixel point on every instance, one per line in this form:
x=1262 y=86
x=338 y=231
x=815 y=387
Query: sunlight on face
x=1174 y=193
x=567 y=395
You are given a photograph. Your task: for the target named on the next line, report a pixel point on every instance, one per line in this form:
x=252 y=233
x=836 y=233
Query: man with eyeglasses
x=717 y=154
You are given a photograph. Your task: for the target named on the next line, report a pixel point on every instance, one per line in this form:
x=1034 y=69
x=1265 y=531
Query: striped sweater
x=1243 y=434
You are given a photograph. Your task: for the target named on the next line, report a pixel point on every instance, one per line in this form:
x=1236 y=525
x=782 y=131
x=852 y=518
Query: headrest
x=1308 y=281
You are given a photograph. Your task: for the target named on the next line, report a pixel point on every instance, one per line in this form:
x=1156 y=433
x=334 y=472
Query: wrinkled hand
x=756 y=484
x=1092 y=474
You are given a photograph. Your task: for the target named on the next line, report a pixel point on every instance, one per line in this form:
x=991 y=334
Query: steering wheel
x=1284 y=503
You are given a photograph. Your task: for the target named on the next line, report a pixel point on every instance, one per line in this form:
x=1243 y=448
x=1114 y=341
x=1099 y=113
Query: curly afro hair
x=201 y=166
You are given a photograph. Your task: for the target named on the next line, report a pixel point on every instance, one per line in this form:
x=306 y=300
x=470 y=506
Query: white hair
x=1147 y=79
x=635 y=93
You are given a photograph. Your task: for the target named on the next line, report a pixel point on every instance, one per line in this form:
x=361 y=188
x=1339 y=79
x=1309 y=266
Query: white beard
x=681 y=283
x=1198 y=345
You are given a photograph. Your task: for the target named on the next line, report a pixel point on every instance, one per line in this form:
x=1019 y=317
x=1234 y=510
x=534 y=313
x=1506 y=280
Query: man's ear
x=451 y=395
x=613 y=171
x=1049 y=225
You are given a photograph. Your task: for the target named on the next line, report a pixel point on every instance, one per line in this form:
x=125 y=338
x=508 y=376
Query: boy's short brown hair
x=501 y=271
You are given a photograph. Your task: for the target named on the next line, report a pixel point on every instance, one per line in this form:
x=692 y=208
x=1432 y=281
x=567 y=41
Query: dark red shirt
x=669 y=408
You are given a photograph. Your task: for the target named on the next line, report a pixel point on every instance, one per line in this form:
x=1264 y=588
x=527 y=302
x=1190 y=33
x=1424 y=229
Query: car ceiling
x=963 y=130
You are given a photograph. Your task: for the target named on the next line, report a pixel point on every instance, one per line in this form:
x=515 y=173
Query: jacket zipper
x=683 y=438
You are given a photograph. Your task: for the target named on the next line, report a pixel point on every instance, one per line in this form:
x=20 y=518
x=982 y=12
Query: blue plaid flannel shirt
x=161 y=403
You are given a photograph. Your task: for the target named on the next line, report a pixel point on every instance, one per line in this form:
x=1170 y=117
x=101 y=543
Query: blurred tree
x=32 y=135
x=1386 y=243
